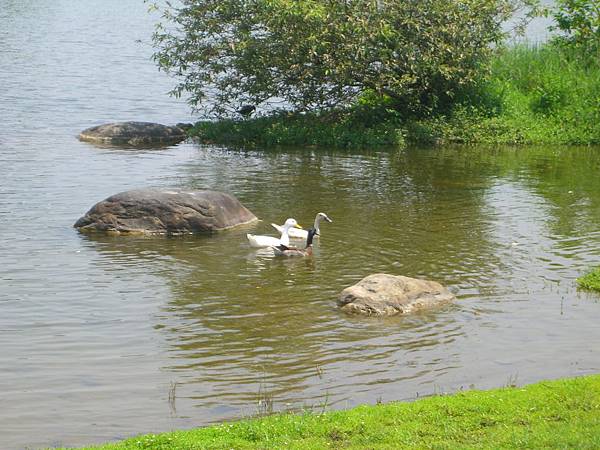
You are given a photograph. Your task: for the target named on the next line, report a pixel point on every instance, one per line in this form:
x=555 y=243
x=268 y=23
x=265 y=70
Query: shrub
x=579 y=24
x=415 y=55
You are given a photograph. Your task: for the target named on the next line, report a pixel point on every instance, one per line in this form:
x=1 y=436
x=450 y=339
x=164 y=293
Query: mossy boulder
x=165 y=211
x=382 y=294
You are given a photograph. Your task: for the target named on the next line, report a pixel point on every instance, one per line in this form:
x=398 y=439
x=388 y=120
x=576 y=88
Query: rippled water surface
x=105 y=337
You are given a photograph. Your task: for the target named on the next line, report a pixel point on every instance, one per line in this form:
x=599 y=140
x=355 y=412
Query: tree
x=579 y=24
x=315 y=54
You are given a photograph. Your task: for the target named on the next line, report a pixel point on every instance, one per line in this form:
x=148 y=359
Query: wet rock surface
x=386 y=295
x=165 y=211
x=133 y=133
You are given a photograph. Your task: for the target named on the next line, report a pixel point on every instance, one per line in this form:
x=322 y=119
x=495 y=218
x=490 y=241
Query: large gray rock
x=381 y=294
x=165 y=211
x=133 y=133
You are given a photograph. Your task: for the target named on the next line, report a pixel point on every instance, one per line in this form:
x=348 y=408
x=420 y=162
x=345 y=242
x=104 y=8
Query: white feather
x=271 y=241
x=262 y=241
x=292 y=232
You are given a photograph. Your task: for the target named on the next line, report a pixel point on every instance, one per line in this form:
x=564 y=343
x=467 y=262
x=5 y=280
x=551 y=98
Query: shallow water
x=97 y=333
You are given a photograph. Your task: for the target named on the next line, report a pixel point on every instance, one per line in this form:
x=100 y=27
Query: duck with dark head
x=284 y=250
x=303 y=234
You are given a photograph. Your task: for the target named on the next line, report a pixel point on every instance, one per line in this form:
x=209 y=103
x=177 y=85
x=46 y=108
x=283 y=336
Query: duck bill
x=297 y=226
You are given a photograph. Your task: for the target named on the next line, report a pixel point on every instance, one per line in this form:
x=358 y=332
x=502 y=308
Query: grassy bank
x=590 y=281
x=535 y=95
x=340 y=130
x=555 y=414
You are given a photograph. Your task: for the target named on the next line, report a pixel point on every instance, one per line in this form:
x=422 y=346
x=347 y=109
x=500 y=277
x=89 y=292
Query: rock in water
x=381 y=294
x=165 y=211
x=133 y=133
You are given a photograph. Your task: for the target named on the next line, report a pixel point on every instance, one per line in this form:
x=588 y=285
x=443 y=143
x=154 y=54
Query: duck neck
x=309 y=240
x=317 y=222
x=285 y=237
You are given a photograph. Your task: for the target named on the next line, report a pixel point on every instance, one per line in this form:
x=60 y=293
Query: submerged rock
x=133 y=133
x=165 y=211
x=381 y=294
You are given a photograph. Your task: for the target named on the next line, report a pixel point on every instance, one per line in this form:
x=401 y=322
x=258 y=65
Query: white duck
x=271 y=241
x=303 y=234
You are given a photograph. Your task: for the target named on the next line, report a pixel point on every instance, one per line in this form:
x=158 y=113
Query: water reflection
x=226 y=322
x=237 y=320
x=239 y=317
x=98 y=328
x=131 y=148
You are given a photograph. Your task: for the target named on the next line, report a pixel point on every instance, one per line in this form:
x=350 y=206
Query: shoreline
x=562 y=413
x=534 y=95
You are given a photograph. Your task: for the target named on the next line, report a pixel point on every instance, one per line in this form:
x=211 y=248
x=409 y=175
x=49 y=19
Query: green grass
x=591 y=280
x=535 y=95
x=323 y=130
x=552 y=414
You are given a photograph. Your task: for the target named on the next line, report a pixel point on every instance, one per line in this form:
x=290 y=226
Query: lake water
x=105 y=337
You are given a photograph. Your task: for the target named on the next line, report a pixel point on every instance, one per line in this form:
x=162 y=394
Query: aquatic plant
x=324 y=130
x=590 y=281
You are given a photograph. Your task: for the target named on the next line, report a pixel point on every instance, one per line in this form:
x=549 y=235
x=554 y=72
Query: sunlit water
x=104 y=337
